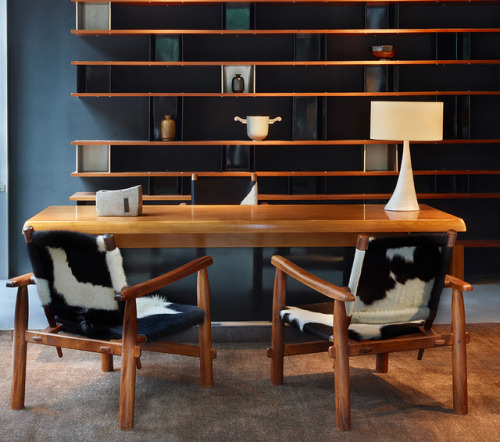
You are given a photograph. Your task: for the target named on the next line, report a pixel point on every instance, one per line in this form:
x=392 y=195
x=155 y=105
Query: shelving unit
x=314 y=68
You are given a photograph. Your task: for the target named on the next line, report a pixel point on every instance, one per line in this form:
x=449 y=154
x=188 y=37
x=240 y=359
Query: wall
x=40 y=113
x=44 y=119
x=3 y=142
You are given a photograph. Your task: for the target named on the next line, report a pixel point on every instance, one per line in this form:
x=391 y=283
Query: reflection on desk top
x=300 y=219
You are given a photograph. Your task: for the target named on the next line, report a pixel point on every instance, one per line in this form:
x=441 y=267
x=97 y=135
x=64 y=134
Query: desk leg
x=258 y=269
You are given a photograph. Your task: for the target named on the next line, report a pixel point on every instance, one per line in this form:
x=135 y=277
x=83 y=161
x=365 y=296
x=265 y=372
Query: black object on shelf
x=238 y=84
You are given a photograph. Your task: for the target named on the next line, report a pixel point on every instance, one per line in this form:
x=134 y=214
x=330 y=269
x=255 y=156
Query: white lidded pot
x=257 y=126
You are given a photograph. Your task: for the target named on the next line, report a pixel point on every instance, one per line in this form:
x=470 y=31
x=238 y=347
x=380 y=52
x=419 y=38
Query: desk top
x=254 y=226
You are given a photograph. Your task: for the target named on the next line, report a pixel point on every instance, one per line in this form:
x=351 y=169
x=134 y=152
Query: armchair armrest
x=320 y=285
x=147 y=287
x=21 y=281
x=457 y=284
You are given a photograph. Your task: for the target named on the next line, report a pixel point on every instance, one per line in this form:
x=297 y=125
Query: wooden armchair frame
x=342 y=347
x=129 y=347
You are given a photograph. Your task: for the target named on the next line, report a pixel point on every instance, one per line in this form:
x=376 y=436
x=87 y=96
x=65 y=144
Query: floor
x=482 y=305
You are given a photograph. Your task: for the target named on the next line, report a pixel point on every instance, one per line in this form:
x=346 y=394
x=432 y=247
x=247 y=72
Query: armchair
x=389 y=306
x=83 y=290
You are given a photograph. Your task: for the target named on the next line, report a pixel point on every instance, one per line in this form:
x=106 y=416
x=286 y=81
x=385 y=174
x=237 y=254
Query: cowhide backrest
x=76 y=279
x=399 y=279
x=226 y=190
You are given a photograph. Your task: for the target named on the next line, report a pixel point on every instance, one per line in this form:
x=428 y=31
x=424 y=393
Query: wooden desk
x=307 y=225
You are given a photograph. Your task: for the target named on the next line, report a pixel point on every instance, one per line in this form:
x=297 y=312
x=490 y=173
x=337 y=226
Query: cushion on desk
x=123 y=202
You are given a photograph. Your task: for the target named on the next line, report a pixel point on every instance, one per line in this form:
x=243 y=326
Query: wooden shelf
x=281 y=94
x=285 y=63
x=372 y=196
x=443 y=42
x=348 y=173
x=90 y=196
x=246 y=142
x=277 y=1
x=265 y=142
x=391 y=31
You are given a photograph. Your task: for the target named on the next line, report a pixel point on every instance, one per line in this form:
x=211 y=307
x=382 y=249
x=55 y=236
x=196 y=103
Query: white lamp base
x=404 y=197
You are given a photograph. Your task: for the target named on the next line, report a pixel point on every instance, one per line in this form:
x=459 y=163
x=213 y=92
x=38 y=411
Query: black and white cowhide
x=397 y=286
x=233 y=190
x=77 y=279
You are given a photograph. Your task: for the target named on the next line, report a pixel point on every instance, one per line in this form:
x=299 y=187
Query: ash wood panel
x=155 y=284
x=267 y=142
x=277 y=350
x=284 y=63
x=207 y=353
x=341 y=369
x=285 y=174
x=246 y=226
x=19 y=353
x=246 y=142
x=90 y=196
x=459 y=354
x=97 y=32
x=371 y=196
x=138 y=2
x=129 y=367
x=75 y=343
x=282 y=94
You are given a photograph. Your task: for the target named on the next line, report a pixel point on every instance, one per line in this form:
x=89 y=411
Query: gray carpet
x=70 y=399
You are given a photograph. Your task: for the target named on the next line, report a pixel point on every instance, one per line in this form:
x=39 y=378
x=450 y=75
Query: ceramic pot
x=257 y=126
x=167 y=128
x=383 y=51
x=238 y=84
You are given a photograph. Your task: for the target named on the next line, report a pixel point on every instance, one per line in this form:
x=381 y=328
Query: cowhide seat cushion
x=158 y=318
x=77 y=279
x=399 y=284
x=317 y=320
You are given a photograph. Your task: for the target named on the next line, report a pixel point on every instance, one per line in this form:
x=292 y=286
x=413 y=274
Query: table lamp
x=406 y=121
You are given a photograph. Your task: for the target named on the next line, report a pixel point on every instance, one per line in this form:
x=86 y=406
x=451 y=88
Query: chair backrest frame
x=77 y=276
x=381 y=263
x=224 y=190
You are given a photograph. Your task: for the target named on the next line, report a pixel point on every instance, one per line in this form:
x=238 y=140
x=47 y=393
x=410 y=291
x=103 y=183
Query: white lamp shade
x=406 y=120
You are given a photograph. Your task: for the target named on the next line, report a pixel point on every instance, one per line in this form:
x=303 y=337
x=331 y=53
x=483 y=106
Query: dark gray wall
x=40 y=78
x=44 y=118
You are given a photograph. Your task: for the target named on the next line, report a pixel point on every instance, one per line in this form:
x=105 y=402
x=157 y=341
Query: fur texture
x=251 y=199
x=77 y=279
x=233 y=190
x=398 y=285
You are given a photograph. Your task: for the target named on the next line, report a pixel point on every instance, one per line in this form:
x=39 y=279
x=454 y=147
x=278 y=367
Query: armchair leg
x=106 y=363
x=382 y=363
x=19 y=350
x=341 y=367
x=205 y=331
x=278 y=329
x=206 y=366
x=128 y=372
x=459 y=355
